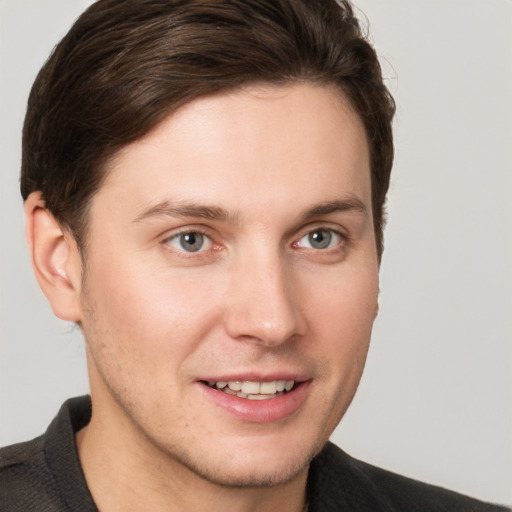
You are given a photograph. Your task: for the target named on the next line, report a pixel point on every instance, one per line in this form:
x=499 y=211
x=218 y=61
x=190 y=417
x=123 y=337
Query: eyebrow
x=187 y=209
x=350 y=204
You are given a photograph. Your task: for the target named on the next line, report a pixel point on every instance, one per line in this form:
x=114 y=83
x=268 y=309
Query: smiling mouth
x=253 y=390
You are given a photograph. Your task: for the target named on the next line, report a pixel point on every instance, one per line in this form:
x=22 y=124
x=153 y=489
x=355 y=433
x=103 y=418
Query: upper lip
x=257 y=377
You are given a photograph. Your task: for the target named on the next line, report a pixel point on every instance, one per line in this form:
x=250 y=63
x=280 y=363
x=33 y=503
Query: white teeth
x=250 y=388
x=262 y=397
x=235 y=385
x=268 y=388
x=254 y=390
x=280 y=385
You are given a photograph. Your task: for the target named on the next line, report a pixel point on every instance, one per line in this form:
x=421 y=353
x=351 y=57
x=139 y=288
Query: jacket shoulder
x=366 y=487
x=25 y=480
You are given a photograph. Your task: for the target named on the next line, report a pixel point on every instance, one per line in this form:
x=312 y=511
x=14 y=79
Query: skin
x=256 y=300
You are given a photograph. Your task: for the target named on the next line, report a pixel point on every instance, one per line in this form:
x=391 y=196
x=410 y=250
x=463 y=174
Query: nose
x=263 y=304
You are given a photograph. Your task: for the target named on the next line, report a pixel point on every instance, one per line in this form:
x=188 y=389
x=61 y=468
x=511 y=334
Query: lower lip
x=259 y=411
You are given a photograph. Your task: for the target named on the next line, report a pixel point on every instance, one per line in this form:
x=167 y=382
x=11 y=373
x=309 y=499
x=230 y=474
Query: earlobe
x=55 y=259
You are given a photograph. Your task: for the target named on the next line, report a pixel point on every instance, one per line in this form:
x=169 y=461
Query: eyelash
x=342 y=239
x=333 y=233
x=182 y=252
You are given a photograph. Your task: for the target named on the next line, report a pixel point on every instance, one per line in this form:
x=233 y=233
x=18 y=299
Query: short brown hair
x=126 y=64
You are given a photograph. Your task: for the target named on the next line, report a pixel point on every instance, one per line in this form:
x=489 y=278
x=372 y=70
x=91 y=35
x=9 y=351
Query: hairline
x=106 y=166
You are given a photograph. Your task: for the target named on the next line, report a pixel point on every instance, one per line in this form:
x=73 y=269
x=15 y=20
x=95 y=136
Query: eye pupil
x=320 y=239
x=192 y=242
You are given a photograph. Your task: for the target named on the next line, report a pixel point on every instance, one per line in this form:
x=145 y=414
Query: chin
x=241 y=470
x=244 y=478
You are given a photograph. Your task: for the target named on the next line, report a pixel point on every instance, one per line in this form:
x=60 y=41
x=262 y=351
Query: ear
x=55 y=259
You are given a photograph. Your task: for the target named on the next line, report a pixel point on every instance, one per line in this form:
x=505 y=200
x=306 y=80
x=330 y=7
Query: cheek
x=148 y=312
x=345 y=306
x=341 y=321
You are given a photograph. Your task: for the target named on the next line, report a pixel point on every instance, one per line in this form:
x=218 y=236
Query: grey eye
x=190 y=242
x=320 y=239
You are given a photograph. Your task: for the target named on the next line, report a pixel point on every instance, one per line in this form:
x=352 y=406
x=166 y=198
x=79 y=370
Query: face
x=231 y=283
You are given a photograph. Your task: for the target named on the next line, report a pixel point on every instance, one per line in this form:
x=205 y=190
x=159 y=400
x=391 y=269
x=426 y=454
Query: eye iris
x=320 y=239
x=192 y=242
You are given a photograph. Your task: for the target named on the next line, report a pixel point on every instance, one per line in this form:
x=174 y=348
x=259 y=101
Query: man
x=204 y=187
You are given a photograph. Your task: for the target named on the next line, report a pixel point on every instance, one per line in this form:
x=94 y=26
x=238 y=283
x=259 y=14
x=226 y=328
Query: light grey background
x=435 y=402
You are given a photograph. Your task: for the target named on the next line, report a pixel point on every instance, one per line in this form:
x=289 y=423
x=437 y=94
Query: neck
x=125 y=472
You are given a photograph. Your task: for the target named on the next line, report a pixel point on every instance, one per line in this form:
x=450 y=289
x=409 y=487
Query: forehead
x=255 y=147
